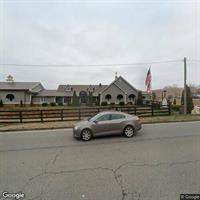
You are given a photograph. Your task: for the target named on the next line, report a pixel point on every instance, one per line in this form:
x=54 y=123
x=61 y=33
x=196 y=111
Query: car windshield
x=95 y=117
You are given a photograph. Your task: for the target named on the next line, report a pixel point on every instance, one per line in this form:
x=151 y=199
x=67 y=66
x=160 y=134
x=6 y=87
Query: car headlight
x=76 y=127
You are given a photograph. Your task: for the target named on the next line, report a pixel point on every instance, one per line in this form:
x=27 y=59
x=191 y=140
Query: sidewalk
x=69 y=124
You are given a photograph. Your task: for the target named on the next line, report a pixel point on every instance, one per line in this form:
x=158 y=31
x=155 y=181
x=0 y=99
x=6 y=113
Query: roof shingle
x=17 y=85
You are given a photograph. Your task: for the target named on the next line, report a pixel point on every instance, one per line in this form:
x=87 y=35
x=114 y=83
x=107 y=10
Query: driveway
x=161 y=162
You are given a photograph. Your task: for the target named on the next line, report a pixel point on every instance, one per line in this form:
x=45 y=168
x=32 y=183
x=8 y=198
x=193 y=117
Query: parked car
x=109 y=122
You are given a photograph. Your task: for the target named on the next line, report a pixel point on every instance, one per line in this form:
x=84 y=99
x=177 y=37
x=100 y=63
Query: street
x=161 y=162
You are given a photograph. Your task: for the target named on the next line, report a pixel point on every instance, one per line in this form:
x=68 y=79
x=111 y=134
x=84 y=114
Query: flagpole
x=148 y=83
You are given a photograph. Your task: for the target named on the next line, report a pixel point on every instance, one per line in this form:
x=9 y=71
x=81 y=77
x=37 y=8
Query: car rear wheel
x=86 y=135
x=129 y=131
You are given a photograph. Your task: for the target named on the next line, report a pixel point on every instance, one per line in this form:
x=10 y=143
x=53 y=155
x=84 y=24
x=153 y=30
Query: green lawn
x=172 y=118
x=69 y=124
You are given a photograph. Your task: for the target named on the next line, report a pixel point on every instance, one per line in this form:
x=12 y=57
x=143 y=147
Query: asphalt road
x=159 y=163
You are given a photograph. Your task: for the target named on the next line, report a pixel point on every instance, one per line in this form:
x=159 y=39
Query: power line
x=89 y=65
x=194 y=60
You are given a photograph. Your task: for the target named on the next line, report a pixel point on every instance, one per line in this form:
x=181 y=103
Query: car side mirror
x=95 y=121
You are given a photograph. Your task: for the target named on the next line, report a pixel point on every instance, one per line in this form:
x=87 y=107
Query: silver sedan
x=109 y=122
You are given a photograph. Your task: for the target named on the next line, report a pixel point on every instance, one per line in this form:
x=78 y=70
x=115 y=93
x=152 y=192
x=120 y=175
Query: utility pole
x=185 y=86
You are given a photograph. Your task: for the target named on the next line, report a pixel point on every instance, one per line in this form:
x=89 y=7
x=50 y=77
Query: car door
x=101 y=126
x=116 y=122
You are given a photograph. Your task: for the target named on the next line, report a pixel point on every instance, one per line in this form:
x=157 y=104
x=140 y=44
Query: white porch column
x=100 y=98
x=125 y=100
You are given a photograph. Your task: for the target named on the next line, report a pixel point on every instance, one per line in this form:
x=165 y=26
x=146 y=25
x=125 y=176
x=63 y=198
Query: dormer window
x=68 y=88
x=90 y=88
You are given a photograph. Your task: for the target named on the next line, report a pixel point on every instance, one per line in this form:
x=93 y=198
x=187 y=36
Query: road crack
x=117 y=176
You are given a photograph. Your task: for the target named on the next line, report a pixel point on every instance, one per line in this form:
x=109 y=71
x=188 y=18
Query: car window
x=104 y=118
x=117 y=116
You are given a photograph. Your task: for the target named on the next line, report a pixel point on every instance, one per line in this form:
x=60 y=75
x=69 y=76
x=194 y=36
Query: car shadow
x=102 y=137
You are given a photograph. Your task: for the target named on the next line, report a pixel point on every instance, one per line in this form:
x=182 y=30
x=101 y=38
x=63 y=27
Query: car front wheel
x=129 y=131
x=86 y=135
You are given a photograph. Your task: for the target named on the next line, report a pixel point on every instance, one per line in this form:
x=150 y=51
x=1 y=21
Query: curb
x=175 y=121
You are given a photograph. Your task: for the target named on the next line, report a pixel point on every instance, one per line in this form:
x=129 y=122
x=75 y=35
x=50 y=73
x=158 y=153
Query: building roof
x=127 y=83
x=18 y=85
x=51 y=93
x=78 y=88
x=118 y=85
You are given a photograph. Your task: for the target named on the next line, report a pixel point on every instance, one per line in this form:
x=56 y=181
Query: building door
x=83 y=97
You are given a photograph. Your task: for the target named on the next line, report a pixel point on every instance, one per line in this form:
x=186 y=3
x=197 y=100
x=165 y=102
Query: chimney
x=10 y=79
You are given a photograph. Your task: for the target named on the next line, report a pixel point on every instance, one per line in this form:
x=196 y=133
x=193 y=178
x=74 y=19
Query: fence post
x=135 y=110
x=61 y=114
x=169 y=108
x=41 y=115
x=152 y=111
x=79 y=113
x=20 y=116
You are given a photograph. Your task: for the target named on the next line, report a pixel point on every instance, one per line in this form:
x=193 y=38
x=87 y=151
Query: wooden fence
x=71 y=114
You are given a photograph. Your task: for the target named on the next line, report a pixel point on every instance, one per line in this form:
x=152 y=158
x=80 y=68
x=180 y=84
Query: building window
x=131 y=97
x=43 y=99
x=10 y=97
x=108 y=97
x=67 y=99
x=119 y=97
x=59 y=100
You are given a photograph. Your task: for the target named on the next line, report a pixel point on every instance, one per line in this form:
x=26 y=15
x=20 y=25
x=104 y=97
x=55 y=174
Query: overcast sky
x=99 y=32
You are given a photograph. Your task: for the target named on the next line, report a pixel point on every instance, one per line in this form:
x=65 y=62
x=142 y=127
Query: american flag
x=148 y=81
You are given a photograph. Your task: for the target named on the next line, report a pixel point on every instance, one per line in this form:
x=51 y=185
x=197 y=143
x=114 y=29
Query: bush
x=153 y=96
x=69 y=104
x=45 y=104
x=130 y=103
x=174 y=102
x=104 y=103
x=97 y=103
x=75 y=100
x=52 y=104
x=90 y=99
x=156 y=105
x=139 y=100
x=1 y=103
x=21 y=103
x=121 y=103
x=112 y=103
x=98 y=100
x=60 y=104
x=176 y=107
